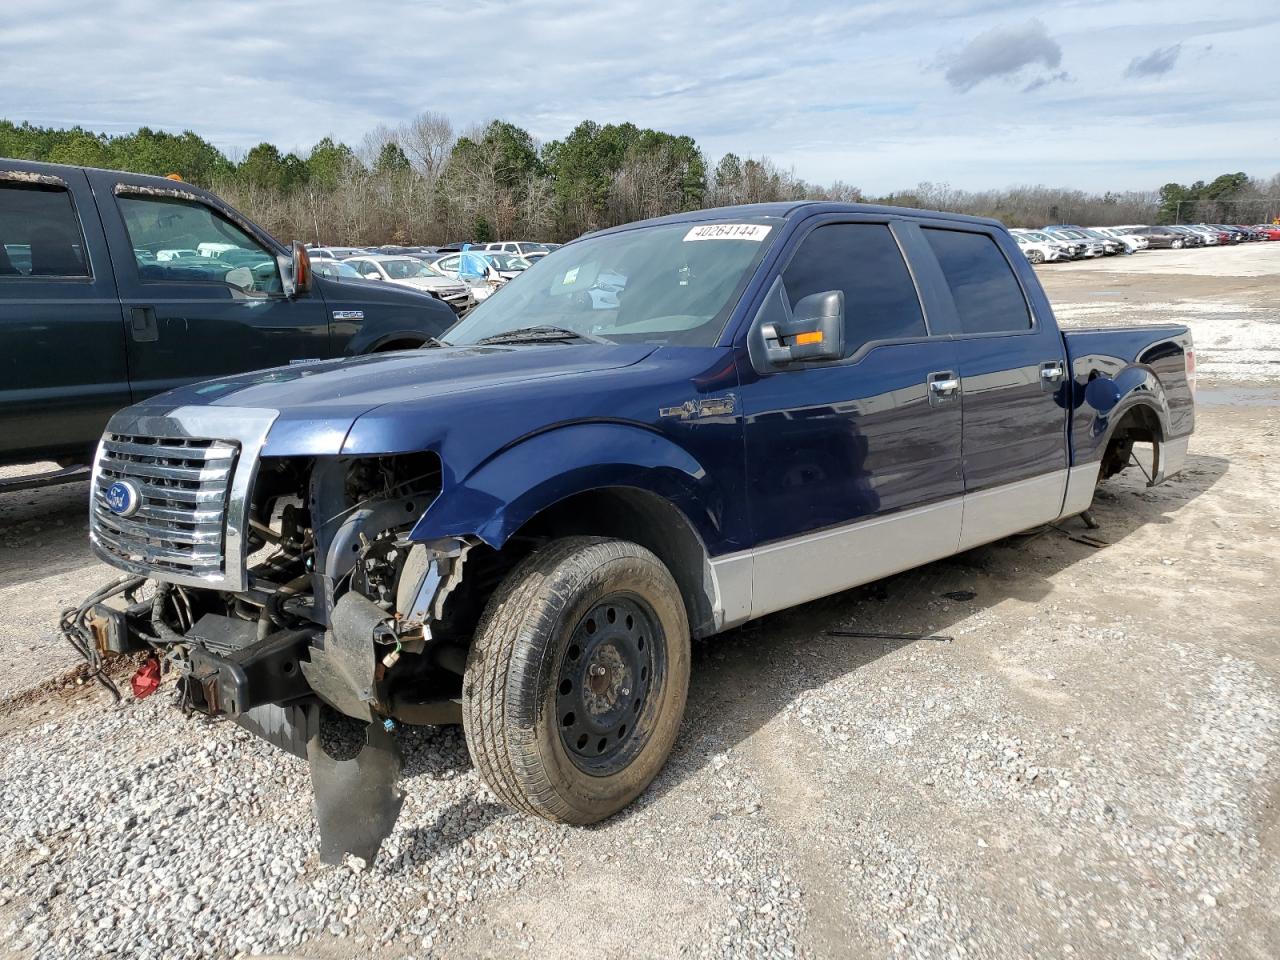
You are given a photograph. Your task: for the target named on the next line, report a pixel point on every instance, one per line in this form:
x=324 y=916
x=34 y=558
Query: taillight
x=1191 y=370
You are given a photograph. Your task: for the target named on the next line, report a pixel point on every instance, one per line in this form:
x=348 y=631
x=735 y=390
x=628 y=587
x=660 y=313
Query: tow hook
x=147 y=680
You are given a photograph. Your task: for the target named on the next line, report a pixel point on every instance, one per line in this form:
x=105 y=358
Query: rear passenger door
x=1013 y=380
x=63 y=371
x=853 y=465
x=202 y=292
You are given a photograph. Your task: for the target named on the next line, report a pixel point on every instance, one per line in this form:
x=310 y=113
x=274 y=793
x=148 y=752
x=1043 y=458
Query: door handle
x=944 y=387
x=142 y=324
x=1051 y=371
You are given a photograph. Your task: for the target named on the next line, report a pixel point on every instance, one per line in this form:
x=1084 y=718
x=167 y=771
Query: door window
x=863 y=260
x=40 y=235
x=987 y=295
x=182 y=241
x=469 y=266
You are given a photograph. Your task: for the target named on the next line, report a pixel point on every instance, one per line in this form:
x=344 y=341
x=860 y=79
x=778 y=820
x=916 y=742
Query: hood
x=360 y=292
x=429 y=283
x=319 y=402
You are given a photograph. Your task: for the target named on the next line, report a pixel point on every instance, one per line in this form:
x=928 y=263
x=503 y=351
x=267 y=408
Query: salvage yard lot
x=1087 y=768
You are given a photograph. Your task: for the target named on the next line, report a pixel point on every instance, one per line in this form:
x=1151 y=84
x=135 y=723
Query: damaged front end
x=285 y=587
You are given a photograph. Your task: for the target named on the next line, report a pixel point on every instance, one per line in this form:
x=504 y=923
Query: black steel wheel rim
x=610 y=671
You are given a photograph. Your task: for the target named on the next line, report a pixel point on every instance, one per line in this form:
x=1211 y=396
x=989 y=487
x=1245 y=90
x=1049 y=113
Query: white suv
x=1039 y=248
x=521 y=248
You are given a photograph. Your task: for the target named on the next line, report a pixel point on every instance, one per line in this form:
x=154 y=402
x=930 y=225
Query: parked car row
x=1066 y=241
x=1177 y=236
x=460 y=275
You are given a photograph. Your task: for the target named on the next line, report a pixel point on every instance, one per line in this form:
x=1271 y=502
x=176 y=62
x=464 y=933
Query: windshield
x=336 y=270
x=507 y=261
x=668 y=284
x=1039 y=237
x=405 y=269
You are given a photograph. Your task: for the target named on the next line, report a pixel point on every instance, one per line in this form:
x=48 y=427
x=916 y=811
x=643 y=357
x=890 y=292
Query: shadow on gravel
x=742 y=679
x=455 y=824
x=45 y=530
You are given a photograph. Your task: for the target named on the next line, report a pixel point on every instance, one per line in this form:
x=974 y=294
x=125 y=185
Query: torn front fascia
x=344 y=670
x=358 y=801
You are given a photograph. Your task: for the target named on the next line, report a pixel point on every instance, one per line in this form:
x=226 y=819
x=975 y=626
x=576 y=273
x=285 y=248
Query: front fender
x=510 y=488
x=421 y=326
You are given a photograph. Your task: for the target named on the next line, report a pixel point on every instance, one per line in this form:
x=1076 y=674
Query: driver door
x=202 y=295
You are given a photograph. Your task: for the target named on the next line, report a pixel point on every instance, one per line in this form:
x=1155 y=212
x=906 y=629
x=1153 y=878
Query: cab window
x=183 y=241
x=40 y=235
x=987 y=295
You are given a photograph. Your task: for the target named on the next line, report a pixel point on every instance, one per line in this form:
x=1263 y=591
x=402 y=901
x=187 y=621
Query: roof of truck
x=798 y=208
x=13 y=163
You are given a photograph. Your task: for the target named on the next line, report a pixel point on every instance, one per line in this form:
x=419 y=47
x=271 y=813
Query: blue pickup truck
x=521 y=528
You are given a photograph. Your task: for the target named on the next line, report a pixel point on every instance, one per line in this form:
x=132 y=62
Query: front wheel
x=576 y=681
x=1177 y=244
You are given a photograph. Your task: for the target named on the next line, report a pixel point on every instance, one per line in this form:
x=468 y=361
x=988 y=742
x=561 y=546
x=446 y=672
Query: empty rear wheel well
x=1140 y=424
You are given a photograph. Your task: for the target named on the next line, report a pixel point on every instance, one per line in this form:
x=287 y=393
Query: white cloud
x=1158 y=61
x=1002 y=52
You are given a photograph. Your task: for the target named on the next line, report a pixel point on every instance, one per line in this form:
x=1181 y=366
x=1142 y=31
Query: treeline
x=1230 y=198
x=422 y=182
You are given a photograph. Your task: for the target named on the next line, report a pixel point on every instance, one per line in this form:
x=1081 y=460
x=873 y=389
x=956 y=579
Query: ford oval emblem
x=123 y=498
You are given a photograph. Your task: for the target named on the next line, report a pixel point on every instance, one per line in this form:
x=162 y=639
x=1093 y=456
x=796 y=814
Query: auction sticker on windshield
x=729 y=231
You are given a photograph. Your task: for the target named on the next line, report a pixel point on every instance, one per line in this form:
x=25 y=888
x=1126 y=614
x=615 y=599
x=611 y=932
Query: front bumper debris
x=357 y=801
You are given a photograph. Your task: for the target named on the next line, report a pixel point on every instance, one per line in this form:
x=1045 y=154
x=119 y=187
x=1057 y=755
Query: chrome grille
x=183 y=483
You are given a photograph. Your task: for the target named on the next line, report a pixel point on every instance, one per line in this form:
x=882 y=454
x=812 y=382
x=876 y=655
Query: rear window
x=986 y=292
x=40 y=234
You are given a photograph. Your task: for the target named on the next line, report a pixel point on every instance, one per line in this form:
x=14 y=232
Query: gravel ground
x=1086 y=768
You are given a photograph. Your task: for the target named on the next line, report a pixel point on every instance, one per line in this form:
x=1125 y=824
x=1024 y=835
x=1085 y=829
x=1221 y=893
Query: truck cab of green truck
x=115 y=287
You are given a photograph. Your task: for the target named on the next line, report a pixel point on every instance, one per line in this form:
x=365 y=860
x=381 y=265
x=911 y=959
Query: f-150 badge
x=697 y=409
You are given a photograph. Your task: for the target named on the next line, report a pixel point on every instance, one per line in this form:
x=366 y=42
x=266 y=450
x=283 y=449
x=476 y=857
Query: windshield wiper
x=543 y=333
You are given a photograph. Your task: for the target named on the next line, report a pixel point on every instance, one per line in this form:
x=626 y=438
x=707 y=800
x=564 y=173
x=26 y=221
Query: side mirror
x=297 y=278
x=372 y=275
x=814 y=332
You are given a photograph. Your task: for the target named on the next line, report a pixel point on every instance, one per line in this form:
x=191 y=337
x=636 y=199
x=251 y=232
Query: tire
x=1177 y=245
x=1035 y=256
x=570 y=710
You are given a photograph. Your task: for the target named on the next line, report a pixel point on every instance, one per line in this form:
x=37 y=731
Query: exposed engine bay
x=341 y=611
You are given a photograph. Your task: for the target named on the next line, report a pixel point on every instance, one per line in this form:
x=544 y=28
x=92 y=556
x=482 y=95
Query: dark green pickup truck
x=115 y=287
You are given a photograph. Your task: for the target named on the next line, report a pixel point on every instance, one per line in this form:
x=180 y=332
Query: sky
x=884 y=94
